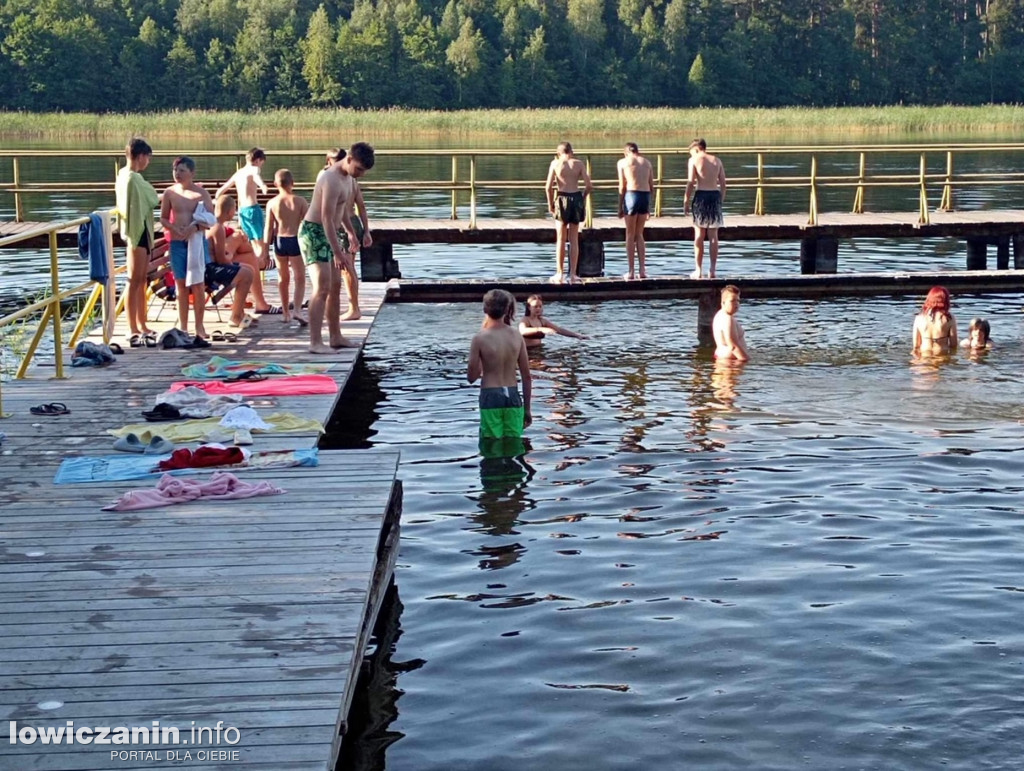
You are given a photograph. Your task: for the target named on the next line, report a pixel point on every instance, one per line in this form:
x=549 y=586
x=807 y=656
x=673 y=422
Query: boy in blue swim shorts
x=247 y=181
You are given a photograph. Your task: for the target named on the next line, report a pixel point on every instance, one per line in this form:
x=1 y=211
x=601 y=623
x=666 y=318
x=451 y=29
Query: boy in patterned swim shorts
x=707 y=175
x=328 y=244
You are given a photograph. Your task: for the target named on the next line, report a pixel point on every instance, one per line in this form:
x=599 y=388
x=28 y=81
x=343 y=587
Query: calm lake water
x=810 y=561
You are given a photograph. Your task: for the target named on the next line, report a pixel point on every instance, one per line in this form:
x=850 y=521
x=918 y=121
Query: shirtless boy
x=707 y=175
x=285 y=212
x=176 y=212
x=568 y=205
x=223 y=270
x=495 y=354
x=247 y=182
x=636 y=185
x=729 y=340
x=328 y=245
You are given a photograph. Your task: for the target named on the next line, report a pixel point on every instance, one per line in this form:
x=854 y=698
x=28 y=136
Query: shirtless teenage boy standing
x=328 y=244
x=636 y=186
x=707 y=175
x=568 y=205
x=285 y=212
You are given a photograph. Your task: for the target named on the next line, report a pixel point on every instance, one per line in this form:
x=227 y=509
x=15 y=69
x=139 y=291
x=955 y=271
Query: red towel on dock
x=203 y=457
x=289 y=385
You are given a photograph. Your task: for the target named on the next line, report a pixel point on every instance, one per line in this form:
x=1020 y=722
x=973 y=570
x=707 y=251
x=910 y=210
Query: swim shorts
x=707 y=209
x=287 y=246
x=637 y=202
x=221 y=274
x=179 y=257
x=501 y=412
x=570 y=208
x=251 y=220
x=313 y=243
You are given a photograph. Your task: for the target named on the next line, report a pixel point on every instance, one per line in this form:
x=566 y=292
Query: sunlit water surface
x=810 y=561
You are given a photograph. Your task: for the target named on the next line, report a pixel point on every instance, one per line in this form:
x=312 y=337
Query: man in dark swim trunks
x=707 y=175
x=568 y=207
x=636 y=184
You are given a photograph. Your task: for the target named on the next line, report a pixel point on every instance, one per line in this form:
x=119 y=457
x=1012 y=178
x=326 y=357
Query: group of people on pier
x=204 y=251
x=568 y=186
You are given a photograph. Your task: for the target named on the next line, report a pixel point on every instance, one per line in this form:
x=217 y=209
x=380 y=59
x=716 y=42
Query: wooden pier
x=254 y=612
x=819 y=243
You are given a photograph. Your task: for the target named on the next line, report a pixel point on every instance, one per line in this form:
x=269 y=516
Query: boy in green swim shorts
x=495 y=354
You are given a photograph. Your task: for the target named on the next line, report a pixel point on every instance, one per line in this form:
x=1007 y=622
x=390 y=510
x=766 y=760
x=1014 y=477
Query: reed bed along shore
x=794 y=122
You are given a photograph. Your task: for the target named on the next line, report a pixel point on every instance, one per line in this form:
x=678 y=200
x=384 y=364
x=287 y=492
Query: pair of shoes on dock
x=131 y=443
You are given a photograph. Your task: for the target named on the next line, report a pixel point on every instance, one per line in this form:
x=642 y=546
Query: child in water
x=978 y=335
x=534 y=326
x=729 y=339
x=935 y=326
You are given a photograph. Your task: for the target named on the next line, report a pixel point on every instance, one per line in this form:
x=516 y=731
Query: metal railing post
x=455 y=193
x=946 y=204
x=858 y=197
x=813 y=217
x=588 y=220
x=657 y=185
x=19 y=214
x=923 y=217
x=472 y=192
x=58 y=352
x=759 y=195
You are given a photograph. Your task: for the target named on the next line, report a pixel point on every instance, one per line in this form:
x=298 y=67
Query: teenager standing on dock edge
x=568 y=205
x=707 y=175
x=636 y=184
x=136 y=200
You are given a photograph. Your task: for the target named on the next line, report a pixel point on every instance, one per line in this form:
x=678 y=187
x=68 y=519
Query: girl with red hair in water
x=934 y=326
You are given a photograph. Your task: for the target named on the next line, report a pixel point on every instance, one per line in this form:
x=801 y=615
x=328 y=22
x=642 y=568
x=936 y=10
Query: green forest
x=150 y=55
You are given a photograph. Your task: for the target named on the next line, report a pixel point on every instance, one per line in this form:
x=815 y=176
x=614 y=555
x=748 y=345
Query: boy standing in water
x=247 y=181
x=495 y=354
x=568 y=207
x=284 y=217
x=729 y=340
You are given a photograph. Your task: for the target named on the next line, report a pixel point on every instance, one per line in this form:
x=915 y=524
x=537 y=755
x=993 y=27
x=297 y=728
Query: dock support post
x=707 y=306
x=1003 y=253
x=591 y=261
x=376 y=263
x=1018 y=251
x=819 y=255
x=977 y=254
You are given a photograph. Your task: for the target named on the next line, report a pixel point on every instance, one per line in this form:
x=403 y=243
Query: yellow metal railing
x=48 y=310
x=466 y=178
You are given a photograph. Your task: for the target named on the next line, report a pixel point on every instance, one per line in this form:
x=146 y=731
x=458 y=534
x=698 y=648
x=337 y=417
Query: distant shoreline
x=779 y=123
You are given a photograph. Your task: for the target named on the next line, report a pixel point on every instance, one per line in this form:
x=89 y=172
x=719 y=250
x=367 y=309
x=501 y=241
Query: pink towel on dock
x=290 y=385
x=222 y=486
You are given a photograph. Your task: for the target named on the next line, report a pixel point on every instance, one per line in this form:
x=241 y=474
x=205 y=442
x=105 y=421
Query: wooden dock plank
x=253 y=612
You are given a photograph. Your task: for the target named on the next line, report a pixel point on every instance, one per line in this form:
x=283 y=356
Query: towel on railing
x=92 y=246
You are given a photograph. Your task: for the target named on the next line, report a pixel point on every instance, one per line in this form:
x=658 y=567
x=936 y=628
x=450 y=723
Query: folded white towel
x=195 y=272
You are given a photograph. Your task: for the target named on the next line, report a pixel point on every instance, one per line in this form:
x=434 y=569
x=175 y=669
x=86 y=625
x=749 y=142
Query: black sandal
x=135 y=341
x=53 y=408
x=250 y=375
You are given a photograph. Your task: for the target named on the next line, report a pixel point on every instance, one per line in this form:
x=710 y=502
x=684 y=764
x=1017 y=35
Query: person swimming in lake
x=978 y=335
x=534 y=326
x=935 y=326
x=730 y=342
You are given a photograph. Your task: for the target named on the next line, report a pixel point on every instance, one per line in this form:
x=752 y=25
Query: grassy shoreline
x=795 y=121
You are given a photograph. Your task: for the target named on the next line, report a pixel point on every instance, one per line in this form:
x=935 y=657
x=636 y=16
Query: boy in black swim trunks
x=636 y=183
x=568 y=207
x=285 y=212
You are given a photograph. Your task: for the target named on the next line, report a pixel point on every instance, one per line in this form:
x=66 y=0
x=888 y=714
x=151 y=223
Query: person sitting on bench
x=222 y=270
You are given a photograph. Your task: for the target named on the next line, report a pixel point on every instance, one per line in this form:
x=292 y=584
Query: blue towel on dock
x=93 y=247
x=122 y=467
